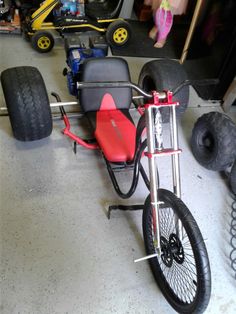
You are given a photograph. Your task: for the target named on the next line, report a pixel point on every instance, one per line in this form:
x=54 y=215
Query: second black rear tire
x=165 y=74
x=27 y=103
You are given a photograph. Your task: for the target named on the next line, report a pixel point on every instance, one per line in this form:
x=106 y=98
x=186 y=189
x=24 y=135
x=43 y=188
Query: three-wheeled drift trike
x=174 y=245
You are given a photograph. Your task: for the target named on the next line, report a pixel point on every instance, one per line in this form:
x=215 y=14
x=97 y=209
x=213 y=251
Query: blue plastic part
x=77 y=56
x=71 y=84
x=75 y=59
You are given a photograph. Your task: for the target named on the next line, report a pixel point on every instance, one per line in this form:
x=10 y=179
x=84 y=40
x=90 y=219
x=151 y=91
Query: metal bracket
x=123 y=207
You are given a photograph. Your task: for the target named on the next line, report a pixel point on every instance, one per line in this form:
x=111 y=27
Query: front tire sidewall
x=232 y=178
x=199 y=250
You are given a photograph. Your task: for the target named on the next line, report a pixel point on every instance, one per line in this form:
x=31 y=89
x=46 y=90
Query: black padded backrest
x=106 y=9
x=105 y=70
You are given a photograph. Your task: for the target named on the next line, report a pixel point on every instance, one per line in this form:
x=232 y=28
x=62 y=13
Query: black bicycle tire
x=232 y=178
x=27 y=103
x=202 y=297
x=165 y=74
x=221 y=132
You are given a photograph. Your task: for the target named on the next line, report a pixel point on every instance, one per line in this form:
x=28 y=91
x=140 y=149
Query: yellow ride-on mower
x=75 y=16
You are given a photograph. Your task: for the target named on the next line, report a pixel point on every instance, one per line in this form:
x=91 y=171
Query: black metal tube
x=58 y=99
x=134 y=183
x=144 y=176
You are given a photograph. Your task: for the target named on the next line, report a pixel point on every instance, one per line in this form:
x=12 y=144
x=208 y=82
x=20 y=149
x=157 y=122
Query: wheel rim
x=207 y=142
x=176 y=260
x=44 y=42
x=120 y=35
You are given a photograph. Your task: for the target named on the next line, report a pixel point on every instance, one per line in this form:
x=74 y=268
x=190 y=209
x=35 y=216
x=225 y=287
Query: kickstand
x=75 y=147
x=123 y=207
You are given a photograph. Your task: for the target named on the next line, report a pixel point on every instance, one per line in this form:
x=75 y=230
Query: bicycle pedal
x=145 y=258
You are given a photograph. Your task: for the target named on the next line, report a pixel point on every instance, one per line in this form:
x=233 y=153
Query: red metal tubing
x=74 y=137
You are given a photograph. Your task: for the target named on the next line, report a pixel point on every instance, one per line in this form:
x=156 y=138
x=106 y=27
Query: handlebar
x=118 y=84
x=161 y=95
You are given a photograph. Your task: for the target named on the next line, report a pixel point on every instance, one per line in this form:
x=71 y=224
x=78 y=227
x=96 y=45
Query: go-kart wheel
x=162 y=75
x=118 y=33
x=213 y=141
x=232 y=178
x=27 y=102
x=42 y=41
x=181 y=269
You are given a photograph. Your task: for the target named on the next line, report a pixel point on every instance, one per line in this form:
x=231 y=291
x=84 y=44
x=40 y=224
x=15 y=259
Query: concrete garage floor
x=59 y=252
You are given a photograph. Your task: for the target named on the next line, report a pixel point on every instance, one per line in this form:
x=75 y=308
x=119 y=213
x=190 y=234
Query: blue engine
x=77 y=53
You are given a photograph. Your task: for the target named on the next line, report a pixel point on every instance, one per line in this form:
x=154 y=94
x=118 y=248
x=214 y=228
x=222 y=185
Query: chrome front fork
x=175 y=157
x=154 y=142
x=155 y=149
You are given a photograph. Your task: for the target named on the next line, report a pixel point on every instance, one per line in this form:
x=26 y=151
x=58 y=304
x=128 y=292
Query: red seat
x=115 y=132
x=107 y=109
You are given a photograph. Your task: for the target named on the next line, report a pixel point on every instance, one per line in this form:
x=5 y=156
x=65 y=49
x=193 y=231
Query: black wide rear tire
x=164 y=269
x=165 y=74
x=27 y=103
x=213 y=141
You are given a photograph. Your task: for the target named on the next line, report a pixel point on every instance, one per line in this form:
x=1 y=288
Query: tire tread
x=167 y=74
x=223 y=130
x=27 y=102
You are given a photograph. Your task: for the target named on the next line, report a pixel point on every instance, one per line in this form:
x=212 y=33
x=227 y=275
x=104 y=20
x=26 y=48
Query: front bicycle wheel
x=182 y=269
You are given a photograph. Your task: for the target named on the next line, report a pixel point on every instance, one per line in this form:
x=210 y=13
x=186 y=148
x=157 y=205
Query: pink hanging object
x=163 y=22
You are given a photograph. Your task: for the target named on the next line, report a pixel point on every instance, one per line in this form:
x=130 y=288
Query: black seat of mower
x=103 y=9
x=107 y=109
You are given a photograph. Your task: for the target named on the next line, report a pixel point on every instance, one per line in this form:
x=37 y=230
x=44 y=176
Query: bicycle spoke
x=180 y=277
x=177 y=269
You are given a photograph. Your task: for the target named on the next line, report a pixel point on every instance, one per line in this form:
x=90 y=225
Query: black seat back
x=105 y=70
x=106 y=9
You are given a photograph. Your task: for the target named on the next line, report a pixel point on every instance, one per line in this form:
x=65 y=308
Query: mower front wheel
x=27 y=103
x=118 y=33
x=42 y=42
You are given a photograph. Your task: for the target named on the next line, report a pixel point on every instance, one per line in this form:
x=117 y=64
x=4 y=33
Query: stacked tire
x=213 y=144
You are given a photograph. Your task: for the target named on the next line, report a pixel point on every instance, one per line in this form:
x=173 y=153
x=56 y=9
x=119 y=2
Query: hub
x=171 y=250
